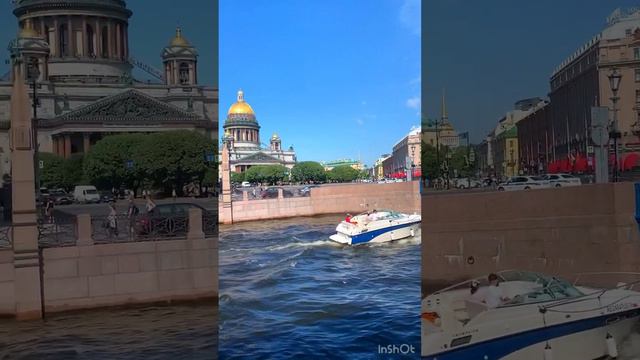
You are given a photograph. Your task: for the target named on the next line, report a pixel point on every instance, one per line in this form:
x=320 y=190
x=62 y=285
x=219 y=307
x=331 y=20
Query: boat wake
x=304 y=244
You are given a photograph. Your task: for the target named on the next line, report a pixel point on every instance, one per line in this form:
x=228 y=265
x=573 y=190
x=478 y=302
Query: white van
x=86 y=194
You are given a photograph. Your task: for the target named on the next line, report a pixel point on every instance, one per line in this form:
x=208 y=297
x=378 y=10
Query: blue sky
x=489 y=54
x=150 y=29
x=335 y=79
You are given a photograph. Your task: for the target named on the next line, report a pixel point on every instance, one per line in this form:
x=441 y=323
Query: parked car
x=86 y=194
x=306 y=191
x=61 y=197
x=168 y=218
x=106 y=196
x=464 y=183
x=245 y=184
x=561 y=180
x=272 y=192
x=523 y=183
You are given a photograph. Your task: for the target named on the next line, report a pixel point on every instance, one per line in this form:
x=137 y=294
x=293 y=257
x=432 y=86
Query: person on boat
x=493 y=295
x=348 y=218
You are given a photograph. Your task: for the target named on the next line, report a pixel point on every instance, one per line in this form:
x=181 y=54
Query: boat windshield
x=382 y=214
x=548 y=288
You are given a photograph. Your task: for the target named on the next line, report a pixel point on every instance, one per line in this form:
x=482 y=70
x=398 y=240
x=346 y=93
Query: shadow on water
x=288 y=292
x=155 y=332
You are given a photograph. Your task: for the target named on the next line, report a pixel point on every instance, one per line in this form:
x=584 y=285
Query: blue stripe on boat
x=369 y=235
x=500 y=347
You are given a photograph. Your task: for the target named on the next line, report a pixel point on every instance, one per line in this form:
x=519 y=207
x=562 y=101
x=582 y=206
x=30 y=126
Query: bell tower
x=180 y=61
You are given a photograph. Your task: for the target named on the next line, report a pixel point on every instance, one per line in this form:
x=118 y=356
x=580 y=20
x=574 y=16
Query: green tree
x=237 y=177
x=210 y=178
x=343 y=173
x=73 y=171
x=308 y=171
x=106 y=164
x=269 y=174
x=52 y=172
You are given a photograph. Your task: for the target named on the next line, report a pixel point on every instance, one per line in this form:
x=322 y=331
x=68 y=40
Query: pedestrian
x=49 y=210
x=112 y=220
x=174 y=195
x=253 y=193
x=132 y=212
x=151 y=205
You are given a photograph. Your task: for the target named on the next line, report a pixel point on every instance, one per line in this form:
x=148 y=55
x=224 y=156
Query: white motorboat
x=539 y=317
x=376 y=227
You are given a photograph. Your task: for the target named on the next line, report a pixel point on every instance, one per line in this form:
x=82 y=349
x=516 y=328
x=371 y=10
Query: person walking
x=49 y=210
x=112 y=220
x=132 y=212
x=150 y=206
x=174 y=195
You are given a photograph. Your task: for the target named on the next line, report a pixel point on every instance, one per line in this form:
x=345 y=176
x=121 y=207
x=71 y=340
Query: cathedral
x=79 y=59
x=242 y=132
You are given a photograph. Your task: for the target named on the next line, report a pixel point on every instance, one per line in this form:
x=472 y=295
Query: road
x=121 y=206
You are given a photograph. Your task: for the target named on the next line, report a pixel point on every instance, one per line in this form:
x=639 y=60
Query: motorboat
x=376 y=227
x=538 y=317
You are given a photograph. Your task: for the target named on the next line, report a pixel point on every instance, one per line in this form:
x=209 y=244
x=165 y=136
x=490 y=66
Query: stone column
x=117 y=42
x=70 y=48
x=109 y=40
x=24 y=233
x=195 y=224
x=226 y=215
x=126 y=41
x=98 y=32
x=85 y=39
x=67 y=146
x=176 y=76
x=56 y=38
x=192 y=79
x=43 y=29
x=83 y=222
x=86 y=142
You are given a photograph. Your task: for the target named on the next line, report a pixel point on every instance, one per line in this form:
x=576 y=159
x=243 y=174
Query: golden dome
x=240 y=107
x=178 y=40
x=275 y=136
x=27 y=31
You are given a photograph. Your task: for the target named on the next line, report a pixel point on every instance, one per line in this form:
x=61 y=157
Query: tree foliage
x=269 y=174
x=343 y=173
x=52 y=172
x=308 y=171
x=237 y=177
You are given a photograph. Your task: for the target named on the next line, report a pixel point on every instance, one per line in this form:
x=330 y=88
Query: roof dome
x=275 y=137
x=179 y=40
x=240 y=107
x=28 y=31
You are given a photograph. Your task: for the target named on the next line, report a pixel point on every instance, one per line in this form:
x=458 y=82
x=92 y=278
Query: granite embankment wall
x=560 y=231
x=332 y=199
x=87 y=275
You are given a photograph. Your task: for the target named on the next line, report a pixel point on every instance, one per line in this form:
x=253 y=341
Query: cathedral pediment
x=128 y=105
x=260 y=157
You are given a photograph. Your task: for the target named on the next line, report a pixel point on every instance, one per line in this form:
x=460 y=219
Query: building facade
x=77 y=54
x=242 y=133
x=535 y=140
x=581 y=81
x=405 y=155
x=378 y=167
x=355 y=164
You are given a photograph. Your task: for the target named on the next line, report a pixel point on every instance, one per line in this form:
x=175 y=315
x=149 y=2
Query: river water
x=288 y=292
x=150 y=333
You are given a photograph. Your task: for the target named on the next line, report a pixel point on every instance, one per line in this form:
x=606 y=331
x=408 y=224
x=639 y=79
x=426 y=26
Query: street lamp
x=614 y=83
x=413 y=149
x=448 y=162
x=33 y=73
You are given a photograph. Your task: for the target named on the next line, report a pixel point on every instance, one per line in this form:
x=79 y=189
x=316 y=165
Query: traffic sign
x=41 y=164
x=590 y=149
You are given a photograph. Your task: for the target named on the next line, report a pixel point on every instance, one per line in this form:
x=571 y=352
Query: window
x=91 y=51
x=637 y=96
x=636 y=53
x=63 y=40
x=105 y=42
x=627 y=32
x=184 y=73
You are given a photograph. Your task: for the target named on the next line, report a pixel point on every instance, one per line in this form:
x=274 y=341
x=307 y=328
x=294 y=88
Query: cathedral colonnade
x=69 y=143
x=82 y=35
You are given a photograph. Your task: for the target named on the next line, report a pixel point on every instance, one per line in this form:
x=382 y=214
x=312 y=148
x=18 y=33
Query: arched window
x=91 y=50
x=184 y=73
x=63 y=40
x=105 y=42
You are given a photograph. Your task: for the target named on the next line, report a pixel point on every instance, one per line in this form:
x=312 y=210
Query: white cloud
x=410 y=16
x=413 y=102
x=360 y=121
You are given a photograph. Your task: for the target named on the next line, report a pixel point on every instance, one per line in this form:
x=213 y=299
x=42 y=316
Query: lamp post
x=32 y=75
x=413 y=149
x=448 y=162
x=511 y=163
x=614 y=83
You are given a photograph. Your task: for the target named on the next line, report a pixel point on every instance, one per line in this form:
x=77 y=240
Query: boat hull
x=582 y=339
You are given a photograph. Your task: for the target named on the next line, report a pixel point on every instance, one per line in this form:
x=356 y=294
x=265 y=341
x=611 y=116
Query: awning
x=630 y=161
x=553 y=167
x=581 y=164
x=565 y=165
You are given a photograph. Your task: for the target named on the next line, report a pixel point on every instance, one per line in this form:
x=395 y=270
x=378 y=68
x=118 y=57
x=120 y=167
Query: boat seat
x=475 y=307
x=459 y=309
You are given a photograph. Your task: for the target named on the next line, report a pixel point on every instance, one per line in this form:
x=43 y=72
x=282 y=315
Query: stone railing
x=84 y=229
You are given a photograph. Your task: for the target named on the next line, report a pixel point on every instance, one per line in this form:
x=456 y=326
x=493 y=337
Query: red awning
x=565 y=165
x=630 y=161
x=581 y=164
x=553 y=167
x=417 y=173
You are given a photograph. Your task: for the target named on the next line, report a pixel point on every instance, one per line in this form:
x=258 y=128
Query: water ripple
x=288 y=292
